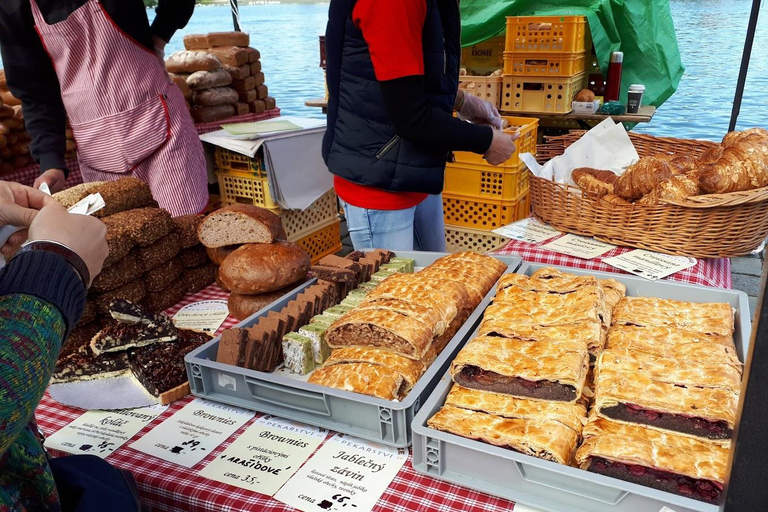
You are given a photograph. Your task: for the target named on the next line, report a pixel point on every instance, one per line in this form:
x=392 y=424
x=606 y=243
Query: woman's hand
x=19 y=206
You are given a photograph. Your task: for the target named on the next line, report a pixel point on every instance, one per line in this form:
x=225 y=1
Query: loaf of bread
x=209 y=79
x=212 y=114
x=218 y=280
x=259 y=78
x=218 y=254
x=120 y=244
x=255 y=67
x=216 y=39
x=164 y=249
x=161 y=277
x=595 y=181
x=193 y=257
x=230 y=55
x=238 y=72
x=165 y=298
x=144 y=226
x=196 y=42
x=270 y=103
x=124 y=271
x=243 y=306
x=240 y=224
x=584 y=95
x=123 y=194
x=262 y=91
x=242 y=109
x=248 y=96
x=186 y=226
x=642 y=177
x=246 y=84
x=199 y=278
x=253 y=54
x=185 y=61
x=135 y=291
x=257 y=106
x=181 y=83
x=71 y=196
x=260 y=268
x=216 y=96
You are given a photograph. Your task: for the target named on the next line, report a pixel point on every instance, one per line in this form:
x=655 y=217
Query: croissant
x=683 y=164
x=594 y=180
x=614 y=199
x=711 y=155
x=642 y=177
x=742 y=166
x=675 y=188
x=732 y=138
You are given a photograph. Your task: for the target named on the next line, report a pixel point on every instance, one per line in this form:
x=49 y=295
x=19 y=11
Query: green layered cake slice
x=358 y=293
x=368 y=285
x=351 y=302
x=407 y=264
x=337 y=312
x=320 y=349
x=383 y=273
x=297 y=353
x=322 y=320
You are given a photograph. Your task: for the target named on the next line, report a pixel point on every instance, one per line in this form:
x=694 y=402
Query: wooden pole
x=744 y=64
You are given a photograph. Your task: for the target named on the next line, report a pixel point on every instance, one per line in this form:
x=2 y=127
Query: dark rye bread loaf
x=193 y=257
x=122 y=272
x=159 y=252
x=240 y=224
x=243 y=306
x=144 y=226
x=218 y=254
x=160 y=277
x=120 y=244
x=186 y=226
x=199 y=278
x=262 y=268
x=123 y=194
x=135 y=291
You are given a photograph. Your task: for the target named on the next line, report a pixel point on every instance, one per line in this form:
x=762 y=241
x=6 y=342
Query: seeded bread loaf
x=159 y=252
x=193 y=257
x=122 y=272
x=144 y=226
x=186 y=227
x=189 y=62
x=262 y=268
x=70 y=197
x=167 y=297
x=135 y=291
x=240 y=224
x=212 y=114
x=218 y=254
x=123 y=194
x=160 y=277
x=199 y=278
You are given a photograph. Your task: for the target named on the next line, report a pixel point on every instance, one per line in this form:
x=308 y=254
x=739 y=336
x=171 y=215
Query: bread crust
x=259 y=268
x=209 y=231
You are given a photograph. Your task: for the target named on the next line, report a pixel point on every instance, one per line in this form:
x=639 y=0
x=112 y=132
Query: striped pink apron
x=127 y=119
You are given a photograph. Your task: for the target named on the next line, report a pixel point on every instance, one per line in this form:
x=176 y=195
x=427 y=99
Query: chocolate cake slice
x=160 y=368
x=126 y=311
x=85 y=365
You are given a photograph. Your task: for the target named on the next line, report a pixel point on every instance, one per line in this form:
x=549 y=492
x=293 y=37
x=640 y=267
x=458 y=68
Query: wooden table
x=317 y=103
x=586 y=121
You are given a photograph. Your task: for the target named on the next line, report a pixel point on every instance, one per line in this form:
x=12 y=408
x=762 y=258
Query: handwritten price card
x=193 y=432
x=346 y=474
x=266 y=455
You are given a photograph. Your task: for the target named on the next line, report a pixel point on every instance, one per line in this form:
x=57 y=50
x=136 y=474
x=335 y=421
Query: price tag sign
x=579 y=246
x=193 y=432
x=266 y=455
x=527 y=230
x=346 y=474
x=206 y=316
x=102 y=432
x=650 y=265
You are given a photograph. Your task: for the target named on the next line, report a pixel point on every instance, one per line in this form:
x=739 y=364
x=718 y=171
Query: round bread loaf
x=240 y=224
x=262 y=268
x=218 y=254
x=220 y=284
x=585 y=95
x=243 y=306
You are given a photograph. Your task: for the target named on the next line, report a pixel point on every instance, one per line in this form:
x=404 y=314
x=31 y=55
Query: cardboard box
x=586 y=107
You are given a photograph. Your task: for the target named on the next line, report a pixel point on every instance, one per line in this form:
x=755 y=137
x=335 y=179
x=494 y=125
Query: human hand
x=502 y=147
x=480 y=112
x=83 y=234
x=18 y=206
x=55 y=179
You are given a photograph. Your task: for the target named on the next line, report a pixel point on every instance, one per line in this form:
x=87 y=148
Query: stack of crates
x=243 y=179
x=481 y=61
x=545 y=63
x=479 y=197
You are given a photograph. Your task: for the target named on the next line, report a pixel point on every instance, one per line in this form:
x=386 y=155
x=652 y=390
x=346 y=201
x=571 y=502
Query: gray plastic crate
x=548 y=485
x=379 y=420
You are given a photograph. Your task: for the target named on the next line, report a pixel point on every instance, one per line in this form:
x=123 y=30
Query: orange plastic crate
x=526 y=143
x=547 y=34
x=544 y=95
x=483 y=58
x=486 y=181
x=229 y=161
x=323 y=241
x=466 y=239
x=486 y=88
x=544 y=64
x=484 y=215
x=298 y=223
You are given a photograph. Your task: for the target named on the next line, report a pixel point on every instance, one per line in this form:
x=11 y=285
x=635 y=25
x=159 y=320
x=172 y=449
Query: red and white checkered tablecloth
x=27 y=175
x=245 y=118
x=164 y=486
x=711 y=272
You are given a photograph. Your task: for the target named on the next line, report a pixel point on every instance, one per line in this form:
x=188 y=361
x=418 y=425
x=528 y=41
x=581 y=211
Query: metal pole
x=744 y=64
x=236 y=14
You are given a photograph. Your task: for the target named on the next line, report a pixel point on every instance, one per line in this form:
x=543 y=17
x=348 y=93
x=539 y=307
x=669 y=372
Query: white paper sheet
x=123 y=392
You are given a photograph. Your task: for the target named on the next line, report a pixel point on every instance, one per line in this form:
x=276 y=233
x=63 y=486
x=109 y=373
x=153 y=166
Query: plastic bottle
x=613 y=88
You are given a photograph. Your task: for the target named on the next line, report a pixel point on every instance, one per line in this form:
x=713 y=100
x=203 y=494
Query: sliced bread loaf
x=240 y=224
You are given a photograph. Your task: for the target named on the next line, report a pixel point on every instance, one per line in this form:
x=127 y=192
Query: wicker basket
x=707 y=226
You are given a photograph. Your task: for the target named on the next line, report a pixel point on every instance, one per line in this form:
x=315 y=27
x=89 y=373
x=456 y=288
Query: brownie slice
x=127 y=312
x=232 y=347
x=85 y=365
x=119 y=337
x=160 y=368
x=689 y=424
x=334 y=274
x=475 y=377
x=279 y=321
x=382 y=255
x=355 y=255
x=698 y=489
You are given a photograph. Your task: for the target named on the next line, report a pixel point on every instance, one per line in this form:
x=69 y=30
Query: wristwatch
x=63 y=251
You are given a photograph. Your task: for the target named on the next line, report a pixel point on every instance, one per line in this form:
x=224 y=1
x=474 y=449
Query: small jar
x=635 y=98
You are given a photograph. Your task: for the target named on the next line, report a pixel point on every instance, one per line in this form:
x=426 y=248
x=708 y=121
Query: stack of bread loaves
x=257 y=264
x=153 y=260
x=220 y=76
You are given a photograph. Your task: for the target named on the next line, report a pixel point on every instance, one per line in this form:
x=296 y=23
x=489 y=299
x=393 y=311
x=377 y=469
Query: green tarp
x=642 y=29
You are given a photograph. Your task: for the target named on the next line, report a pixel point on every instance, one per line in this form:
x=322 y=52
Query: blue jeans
x=419 y=228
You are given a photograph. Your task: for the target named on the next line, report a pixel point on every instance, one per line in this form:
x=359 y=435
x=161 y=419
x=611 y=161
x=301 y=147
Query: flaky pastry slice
x=629 y=391
x=545 y=439
x=706 y=318
x=508 y=321
x=428 y=316
x=663 y=460
x=365 y=378
x=409 y=369
x=544 y=370
x=543 y=308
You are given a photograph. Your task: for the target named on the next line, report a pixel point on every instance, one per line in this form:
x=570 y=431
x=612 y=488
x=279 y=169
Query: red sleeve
x=392 y=29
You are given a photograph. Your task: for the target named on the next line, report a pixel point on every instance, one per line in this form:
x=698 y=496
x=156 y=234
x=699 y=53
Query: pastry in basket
x=698 y=398
x=642 y=177
x=705 y=318
x=595 y=181
x=547 y=430
x=544 y=370
x=674 y=188
x=743 y=165
x=409 y=369
x=682 y=465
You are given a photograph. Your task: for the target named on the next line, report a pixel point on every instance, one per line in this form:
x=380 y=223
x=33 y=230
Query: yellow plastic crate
x=228 y=161
x=547 y=34
x=298 y=223
x=486 y=88
x=540 y=94
x=484 y=215
x=544 y=64
x=323 y=241
x=465 y=239
x=486 y=181
x=526 y=143
x=243 y=187
x=483 y=58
